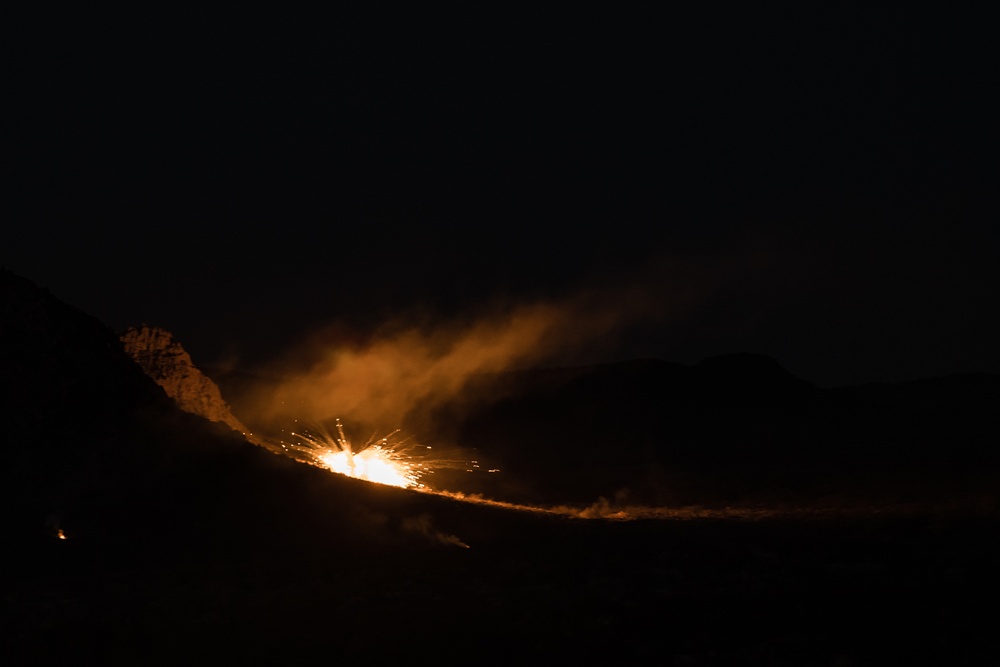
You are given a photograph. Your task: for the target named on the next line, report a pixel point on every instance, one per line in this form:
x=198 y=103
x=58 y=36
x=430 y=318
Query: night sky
x=815 y=184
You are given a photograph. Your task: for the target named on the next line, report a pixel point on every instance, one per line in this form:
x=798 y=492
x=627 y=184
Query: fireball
x=374 y=464
x=380 y=461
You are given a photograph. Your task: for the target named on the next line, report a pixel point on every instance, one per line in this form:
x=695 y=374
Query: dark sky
x=823 y=180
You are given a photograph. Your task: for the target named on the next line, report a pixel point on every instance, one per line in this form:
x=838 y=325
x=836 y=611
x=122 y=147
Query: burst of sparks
x=379 y=460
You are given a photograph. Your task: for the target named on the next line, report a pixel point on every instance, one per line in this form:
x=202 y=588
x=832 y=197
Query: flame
x=60 y=534
x=374 y=464
x=379 y=461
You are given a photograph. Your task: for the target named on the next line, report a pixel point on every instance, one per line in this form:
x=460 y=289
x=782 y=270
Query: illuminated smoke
x=377 y=383
x=399 y=374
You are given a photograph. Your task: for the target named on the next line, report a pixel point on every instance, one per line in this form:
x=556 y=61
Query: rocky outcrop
x=165 y=361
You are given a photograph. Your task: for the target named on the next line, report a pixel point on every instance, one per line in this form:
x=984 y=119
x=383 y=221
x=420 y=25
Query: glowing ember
x=373 y=464
x=376 y=461
x=61 y=535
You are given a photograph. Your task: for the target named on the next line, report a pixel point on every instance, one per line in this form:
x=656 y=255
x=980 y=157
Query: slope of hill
x=164 y=360
x=733 y=429
x=96 y=449
x=188 y=545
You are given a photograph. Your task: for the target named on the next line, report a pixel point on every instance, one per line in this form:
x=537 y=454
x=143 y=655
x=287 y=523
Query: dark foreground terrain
x=530 y=590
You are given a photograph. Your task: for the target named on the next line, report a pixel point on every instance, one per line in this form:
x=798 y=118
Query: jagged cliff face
x=165 y=361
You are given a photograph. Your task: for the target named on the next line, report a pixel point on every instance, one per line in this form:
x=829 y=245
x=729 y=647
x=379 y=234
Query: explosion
x=380 y=460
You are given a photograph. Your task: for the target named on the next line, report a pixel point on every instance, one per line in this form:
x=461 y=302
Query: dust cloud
x=373 y=382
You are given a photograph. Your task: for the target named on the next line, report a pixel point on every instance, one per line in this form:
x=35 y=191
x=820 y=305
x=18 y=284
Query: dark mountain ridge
x=735 y=428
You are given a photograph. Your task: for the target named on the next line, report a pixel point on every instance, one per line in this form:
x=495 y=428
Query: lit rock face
x=165 y=361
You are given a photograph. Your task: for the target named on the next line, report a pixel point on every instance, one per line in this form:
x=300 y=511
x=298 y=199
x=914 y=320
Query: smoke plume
x=376 y=381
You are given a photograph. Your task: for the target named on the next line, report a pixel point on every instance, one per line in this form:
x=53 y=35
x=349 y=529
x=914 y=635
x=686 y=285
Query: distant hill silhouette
x=731 y=429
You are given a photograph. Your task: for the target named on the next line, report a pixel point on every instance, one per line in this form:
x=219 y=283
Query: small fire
x=60 y=534
x=374 y=464
x=378 y=461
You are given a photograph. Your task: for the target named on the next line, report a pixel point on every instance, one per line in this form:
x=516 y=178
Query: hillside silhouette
x=736 y=429
x=184 y=543
x=98 y=450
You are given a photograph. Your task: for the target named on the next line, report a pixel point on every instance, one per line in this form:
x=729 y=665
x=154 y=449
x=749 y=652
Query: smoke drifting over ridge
x=377 y=382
